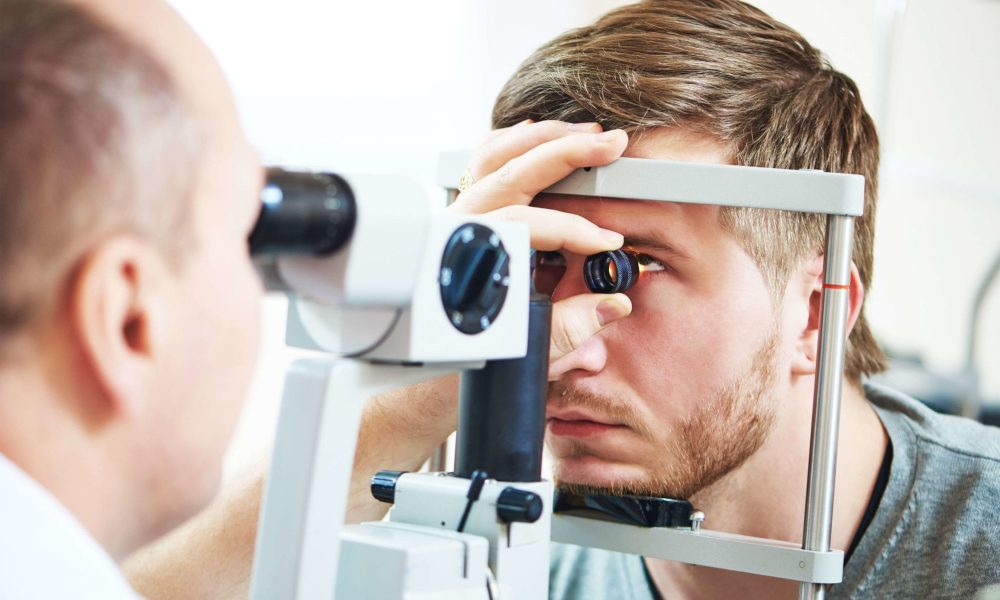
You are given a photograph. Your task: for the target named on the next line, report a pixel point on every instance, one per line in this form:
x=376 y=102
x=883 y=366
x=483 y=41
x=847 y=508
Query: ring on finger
x=466 y=181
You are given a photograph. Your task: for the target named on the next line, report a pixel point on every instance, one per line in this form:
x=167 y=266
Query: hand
x=516 y=163
x=400 y=429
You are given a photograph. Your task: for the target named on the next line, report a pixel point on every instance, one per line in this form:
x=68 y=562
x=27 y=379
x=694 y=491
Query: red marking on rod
x=833 y=286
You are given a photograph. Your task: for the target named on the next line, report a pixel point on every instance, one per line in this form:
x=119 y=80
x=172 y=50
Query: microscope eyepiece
x=303 y=213
x=611 y=272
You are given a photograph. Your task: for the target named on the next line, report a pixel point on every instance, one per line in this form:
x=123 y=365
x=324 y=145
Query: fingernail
x=609 y=136
x=525 y=122
x=582 y=126
x=613 y=238
x=613 y=308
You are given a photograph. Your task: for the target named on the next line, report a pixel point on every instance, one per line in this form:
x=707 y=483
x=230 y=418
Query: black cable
x=475 y=489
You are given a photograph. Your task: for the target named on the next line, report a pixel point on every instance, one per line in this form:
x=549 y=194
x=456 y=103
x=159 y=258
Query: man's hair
x=726 y=69
x=94 y=140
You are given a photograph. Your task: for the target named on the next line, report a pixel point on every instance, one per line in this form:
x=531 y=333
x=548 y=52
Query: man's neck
x=766 y=497
x=45 y=442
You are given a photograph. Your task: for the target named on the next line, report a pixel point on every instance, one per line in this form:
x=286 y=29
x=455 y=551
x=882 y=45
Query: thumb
x=576 y=319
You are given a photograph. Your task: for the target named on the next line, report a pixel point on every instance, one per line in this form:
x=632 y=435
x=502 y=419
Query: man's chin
x=595 y=475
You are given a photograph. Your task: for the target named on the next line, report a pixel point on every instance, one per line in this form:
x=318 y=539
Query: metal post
x=826 y=401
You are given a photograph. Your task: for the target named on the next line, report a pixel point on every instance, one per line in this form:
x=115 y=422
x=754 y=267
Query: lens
x=303 y=213
x=611 y=272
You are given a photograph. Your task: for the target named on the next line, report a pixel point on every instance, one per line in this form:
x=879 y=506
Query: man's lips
x=573 y=423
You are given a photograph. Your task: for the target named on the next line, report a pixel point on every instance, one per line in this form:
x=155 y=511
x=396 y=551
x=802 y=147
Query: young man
x=705 y=390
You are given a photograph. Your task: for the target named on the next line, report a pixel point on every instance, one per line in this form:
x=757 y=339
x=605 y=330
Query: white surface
x=707 y=548
x=391 y=561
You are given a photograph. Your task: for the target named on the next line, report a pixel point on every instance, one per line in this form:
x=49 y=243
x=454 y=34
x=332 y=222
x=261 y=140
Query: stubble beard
x=717 y=438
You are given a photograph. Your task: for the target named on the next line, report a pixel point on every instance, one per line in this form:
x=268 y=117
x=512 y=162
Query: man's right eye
x=549 y=269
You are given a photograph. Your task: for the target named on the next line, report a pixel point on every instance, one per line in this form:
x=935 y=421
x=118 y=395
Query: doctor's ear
x=117 y=318
x=807 y=344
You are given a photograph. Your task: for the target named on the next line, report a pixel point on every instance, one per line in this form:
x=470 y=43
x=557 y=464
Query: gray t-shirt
x=935 y=534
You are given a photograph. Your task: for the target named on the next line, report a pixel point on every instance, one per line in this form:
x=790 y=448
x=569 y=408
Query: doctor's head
x=721 y=343
x=128 y=306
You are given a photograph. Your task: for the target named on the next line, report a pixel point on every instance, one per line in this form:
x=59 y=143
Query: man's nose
x=590 y=357
x=586 y=361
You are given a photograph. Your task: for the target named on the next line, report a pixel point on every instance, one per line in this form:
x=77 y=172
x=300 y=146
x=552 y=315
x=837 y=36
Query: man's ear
x=807 y=346
x=116 y=309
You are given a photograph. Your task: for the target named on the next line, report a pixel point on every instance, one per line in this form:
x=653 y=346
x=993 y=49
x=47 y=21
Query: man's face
x=210 y=352
x=681 y=392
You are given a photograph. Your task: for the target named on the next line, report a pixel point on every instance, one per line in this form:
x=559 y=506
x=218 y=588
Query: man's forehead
x=678 y=143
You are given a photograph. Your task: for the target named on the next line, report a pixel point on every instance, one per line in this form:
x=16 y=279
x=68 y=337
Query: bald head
x=157 y=28
x=128 y=304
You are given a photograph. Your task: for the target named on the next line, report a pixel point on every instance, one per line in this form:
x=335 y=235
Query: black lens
x=303 y=213
x=611 y=272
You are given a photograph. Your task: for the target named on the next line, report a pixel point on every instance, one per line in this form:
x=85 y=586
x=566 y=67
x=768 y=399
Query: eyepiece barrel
x=303 y=213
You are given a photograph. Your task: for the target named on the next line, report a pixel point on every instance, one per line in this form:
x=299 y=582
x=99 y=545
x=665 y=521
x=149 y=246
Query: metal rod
x=817 y=528
x=972 y=401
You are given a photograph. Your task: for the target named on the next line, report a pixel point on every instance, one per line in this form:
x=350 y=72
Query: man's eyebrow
x=656 y=244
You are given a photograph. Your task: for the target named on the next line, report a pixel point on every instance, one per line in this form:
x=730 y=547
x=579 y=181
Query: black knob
x=519 y=506
x=474 y=278
x=384 y=485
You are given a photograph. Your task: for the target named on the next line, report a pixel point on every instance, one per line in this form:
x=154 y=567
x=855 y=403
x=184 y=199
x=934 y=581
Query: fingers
x=502 y=145
x=519 y=179
x=556 y=230
x=578 y=318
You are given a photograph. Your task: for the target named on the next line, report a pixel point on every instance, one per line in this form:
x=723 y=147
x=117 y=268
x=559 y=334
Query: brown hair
x=95 y=141
x=723 y=68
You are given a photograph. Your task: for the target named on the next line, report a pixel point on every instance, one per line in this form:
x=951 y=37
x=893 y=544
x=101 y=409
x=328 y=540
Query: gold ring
x=466 y=181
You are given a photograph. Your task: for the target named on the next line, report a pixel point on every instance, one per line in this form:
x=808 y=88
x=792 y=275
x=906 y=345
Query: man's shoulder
x=908 y=420
x=937 y=515
x=946 y=468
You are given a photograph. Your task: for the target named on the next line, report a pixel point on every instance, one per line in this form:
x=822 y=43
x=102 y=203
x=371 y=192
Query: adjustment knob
x=384 y=485
x=474 y=278
x=519 y=506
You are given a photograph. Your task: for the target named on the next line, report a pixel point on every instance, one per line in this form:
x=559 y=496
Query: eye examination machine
x=393 y=289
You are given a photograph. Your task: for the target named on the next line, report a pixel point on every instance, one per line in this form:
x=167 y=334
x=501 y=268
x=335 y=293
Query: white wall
x=366 y=86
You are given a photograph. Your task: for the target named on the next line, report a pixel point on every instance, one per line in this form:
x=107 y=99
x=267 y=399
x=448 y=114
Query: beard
x=725 y=429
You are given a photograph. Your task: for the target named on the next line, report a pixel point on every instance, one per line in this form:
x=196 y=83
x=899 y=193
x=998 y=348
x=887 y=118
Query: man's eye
x=648 y=264
x=551 y=259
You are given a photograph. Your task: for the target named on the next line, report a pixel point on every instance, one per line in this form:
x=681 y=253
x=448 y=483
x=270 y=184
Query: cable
x=475 y=489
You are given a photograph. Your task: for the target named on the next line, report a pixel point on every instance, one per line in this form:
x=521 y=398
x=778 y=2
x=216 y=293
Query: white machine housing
x=389 y=277
x=378 y=299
